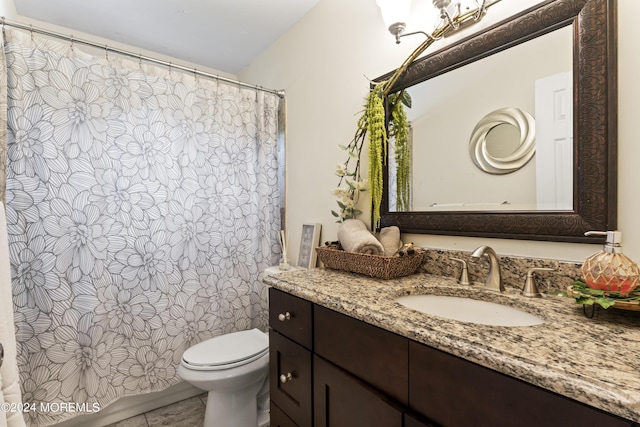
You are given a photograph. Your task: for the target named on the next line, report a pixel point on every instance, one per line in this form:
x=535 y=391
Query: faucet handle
x=530 y=288
x=464 y=273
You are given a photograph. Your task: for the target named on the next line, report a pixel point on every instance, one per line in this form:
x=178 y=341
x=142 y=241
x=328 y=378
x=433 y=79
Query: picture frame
x=309 y=240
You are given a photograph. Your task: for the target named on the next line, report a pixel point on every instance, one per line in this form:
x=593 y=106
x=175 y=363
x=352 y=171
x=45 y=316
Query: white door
x=554 y=142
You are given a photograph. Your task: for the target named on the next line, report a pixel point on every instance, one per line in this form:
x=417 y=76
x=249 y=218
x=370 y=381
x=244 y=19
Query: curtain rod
x=141 y=57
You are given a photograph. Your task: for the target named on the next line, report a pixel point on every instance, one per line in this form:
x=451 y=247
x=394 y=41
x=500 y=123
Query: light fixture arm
x=437 y=34
x=452 y=18
x=482 y=9
x=442 y=6
x=427 y=35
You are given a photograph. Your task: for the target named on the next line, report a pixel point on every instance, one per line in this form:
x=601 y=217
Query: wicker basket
x=381 y=267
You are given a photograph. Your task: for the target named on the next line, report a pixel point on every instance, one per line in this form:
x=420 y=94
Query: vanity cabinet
x=378 y=357
x=454 y=392
x=412 y=421
x=290 y=360
x=280 y=419
x=339 y=371
x=340 y=399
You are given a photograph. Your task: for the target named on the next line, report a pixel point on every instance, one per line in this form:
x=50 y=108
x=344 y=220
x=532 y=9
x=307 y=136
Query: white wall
x=323 y=65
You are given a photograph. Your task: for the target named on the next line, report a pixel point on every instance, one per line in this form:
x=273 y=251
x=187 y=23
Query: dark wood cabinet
x=457 y=393
x=291 y=316
x=290 y=359
x=411 y=420
x=290 y=373
x=363 y=350
x=339 y=371
x=341 y=400
x=279 y=418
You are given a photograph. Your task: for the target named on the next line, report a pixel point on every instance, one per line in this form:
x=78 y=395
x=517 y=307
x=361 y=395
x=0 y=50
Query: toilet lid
x=229 y=349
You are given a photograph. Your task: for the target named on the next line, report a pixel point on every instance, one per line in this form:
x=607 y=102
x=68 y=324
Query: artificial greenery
x=375 y=126
x=399 y=130
x=371 y=124
x=585 y=295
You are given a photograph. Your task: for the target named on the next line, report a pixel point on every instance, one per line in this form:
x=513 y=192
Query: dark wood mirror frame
x=595 y=125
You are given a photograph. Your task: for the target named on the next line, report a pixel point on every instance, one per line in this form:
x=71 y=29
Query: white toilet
x=233 y=368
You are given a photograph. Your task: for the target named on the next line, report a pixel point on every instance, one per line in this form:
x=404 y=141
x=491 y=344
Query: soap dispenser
x=610 y=269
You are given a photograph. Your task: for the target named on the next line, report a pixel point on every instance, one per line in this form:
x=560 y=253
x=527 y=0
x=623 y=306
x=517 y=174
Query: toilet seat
x=226 y=351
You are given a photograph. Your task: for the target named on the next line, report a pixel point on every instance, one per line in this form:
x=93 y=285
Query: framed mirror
x=590 y=26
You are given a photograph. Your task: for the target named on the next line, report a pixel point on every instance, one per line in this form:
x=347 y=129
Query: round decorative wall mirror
x=489 y=145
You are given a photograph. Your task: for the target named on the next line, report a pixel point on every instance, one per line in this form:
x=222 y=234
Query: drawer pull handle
x=285 y=316
x=285 y=378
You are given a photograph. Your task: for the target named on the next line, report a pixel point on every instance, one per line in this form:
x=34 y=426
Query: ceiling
x=226 y=35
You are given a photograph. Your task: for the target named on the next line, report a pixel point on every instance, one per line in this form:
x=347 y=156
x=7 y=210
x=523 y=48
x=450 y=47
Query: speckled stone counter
x=595 y=361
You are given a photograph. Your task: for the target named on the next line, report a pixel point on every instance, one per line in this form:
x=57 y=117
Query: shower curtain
x=142 y=204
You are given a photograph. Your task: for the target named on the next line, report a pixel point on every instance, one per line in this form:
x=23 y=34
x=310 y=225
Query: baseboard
x=134 y=405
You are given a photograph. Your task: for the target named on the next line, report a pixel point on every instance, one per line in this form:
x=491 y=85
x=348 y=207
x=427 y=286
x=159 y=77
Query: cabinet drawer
x=344 y=401
x=457 y=393
x=291 y=316
x=292 y=362
x=376 y=356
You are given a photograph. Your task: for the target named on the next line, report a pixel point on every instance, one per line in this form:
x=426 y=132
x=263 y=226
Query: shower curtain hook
x=140 y=61
x=31 y=32
x=4 y=36
x=70 y=38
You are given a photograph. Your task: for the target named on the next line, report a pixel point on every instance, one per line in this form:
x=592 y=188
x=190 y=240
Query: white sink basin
x=469 y=310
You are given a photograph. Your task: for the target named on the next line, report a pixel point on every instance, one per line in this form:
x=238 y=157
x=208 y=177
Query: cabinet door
x=412 y=421
x=379 y=357
x=341 y=400
x=278 y=418
x=290 y=378
x=457 y=393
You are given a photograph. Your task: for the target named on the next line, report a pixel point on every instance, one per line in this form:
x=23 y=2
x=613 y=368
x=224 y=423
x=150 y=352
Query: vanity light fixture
x=395 y=14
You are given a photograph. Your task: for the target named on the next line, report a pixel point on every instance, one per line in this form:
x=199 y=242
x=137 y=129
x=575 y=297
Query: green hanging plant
x=377 y=148
x=371 y=126
x=399 y=133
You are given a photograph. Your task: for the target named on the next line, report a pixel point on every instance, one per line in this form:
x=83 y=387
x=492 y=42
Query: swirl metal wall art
x=480 y=154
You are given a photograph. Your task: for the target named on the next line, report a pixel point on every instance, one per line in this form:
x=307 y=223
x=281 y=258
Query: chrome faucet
x=494 y=278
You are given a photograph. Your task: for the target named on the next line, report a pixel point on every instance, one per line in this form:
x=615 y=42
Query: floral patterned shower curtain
x=142 y=205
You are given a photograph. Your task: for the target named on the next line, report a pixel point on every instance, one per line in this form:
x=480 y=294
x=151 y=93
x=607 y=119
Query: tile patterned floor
x=186 y=413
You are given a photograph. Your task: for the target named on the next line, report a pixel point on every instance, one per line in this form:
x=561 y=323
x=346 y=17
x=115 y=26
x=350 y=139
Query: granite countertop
x=594 y=361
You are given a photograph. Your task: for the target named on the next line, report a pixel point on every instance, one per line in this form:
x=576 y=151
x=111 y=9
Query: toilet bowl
x=233 y=369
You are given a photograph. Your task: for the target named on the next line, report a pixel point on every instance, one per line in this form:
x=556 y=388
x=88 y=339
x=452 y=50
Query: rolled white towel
x=390 y=239
x=354 y=237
